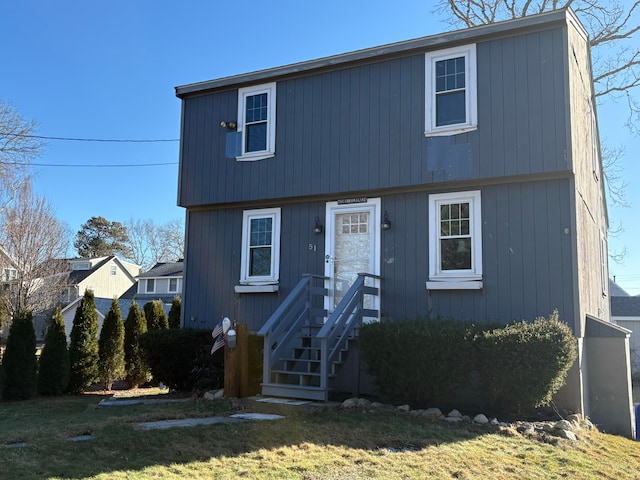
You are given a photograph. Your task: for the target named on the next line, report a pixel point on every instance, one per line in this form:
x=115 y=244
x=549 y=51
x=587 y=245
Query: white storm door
x=352 y=247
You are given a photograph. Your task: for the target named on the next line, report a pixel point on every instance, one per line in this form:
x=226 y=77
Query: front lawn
x=309 y=443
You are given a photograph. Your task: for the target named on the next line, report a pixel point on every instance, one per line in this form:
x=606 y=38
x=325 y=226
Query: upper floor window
x=151 y=285
x=451 y=99
x=260 y=246
x=9 y=274
x=455 y=237
x=173 y=285
x=113 y=270
x=81 y=266
x=257 y=121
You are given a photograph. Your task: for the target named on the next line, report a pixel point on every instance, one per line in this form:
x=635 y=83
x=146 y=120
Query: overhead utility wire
x=110 y=140
x=87 y=165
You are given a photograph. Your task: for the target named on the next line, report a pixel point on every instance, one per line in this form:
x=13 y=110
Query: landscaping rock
x=363 y=402
x=569 y=435
x=454 y=413
x=432 y=413
x=481 y=419
x=494 y=421
x=214 y=394
x=377 y=405
x=403 y=408
x=563 y=425
x=453 y=419
x=350 y=403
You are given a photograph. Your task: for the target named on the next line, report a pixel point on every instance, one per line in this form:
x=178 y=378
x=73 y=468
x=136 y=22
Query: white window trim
x=243 y=93
x=177 y=289
x=471 y=90
x=455 y=279
x=146 y=285
x=248 y=215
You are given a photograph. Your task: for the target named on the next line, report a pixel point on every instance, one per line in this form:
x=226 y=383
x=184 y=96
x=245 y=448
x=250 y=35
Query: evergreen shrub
x=174 y=312
x=83 y=347
x=417 y=361
x=523 y=364
x=182 y=360
x=20 y=366
x=154 y=313
x=53 y=375
x=111 y=347
x=136 y=369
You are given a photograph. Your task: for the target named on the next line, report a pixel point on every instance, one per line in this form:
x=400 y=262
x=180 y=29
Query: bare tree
x=151 y=243
x=35 y=240
x=18 y=147
x=612 y=27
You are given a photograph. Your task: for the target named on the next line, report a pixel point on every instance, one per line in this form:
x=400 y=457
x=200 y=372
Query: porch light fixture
x=317 y=229
x=386 y=223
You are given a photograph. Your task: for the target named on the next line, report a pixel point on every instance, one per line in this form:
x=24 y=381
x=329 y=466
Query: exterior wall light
x=230 y=125
x=317 y=229
x=386 y=223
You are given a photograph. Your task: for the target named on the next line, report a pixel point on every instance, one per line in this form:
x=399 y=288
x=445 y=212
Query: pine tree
x=135 y=326
x=174 y=313
x=154 y=313
x=111 y=347
x=19 y=362
x=83 y=349
x=53 y=377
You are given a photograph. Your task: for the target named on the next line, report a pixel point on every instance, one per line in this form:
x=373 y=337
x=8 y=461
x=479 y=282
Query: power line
x=87 y=165
x=108 y=140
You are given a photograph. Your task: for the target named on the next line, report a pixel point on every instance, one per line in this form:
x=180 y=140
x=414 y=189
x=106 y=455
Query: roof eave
x=438 y=41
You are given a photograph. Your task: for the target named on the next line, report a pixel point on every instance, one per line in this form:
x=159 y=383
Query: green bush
x=174 y=313
x=417 y=361
x=53 y=377
x=154 y=313
x=20 y=366
x=523 y=364
x=111 y=347
x=136 y=369
x=83 y=347
x=182 y=360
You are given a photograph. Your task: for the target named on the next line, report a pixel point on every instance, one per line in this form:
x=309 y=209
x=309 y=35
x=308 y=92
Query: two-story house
x=460 y=172
x=162 y=282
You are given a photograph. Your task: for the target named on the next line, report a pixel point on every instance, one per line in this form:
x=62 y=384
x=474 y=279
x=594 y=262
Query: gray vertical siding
x=526 y=259
x=362 y=128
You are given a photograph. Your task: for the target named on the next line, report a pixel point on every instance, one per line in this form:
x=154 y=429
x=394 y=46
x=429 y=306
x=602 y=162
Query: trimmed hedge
x=20 y=366
x=182 y=360
x=516 y=367
x=417 y=361
x=53 y=376
x=523 y=365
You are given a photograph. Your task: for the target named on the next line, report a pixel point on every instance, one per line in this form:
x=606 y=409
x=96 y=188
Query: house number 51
x=313 y=247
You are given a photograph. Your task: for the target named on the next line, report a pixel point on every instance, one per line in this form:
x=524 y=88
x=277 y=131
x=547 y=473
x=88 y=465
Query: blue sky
x=107 y=70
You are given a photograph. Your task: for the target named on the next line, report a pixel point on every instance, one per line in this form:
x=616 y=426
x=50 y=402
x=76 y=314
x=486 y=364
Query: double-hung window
x=450 y=82
x=260 y=263
x=173 y=285
x=257 y=121
x=455 y=241
x=151 y=285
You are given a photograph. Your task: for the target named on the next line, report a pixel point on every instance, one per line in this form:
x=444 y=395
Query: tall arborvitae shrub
x=19 y=363
x=83 y=348
x=111 y=347
x=154 y=313
x=53 y=375
x=136 y=368
x=174 y=313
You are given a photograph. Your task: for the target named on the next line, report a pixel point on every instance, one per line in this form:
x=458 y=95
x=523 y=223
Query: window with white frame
x=451 y=92
x=151 y=285
x=455 y=238
x=257 y=121
x=9 y=274
x=173 y=285
x=260 y=263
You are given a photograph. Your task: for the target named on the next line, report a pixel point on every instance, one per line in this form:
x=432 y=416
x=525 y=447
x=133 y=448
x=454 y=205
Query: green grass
x=307 y=444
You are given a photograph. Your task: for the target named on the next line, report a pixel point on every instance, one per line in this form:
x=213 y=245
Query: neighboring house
x=107 y=277
x=460 y=172
x=625 y=312
x=9 y=271
x=162 y=282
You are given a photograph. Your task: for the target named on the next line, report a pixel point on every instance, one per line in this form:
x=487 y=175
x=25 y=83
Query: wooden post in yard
x=243 y=364
x=236 y=365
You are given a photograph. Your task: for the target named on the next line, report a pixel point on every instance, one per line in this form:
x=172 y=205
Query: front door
x=352 y=247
